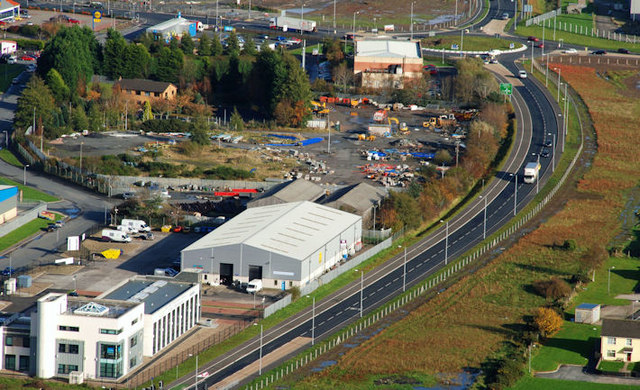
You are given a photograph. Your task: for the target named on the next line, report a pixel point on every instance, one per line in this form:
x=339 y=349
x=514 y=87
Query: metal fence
x=274 y=307
x=540 y=18
x=416 y=292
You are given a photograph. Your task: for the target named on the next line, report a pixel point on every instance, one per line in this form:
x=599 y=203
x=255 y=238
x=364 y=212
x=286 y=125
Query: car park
x=522 y=74
x=599 y=52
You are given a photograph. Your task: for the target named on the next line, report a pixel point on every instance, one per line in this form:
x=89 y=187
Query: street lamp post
x=361 y=290
x=24 y=175
x=354 y=25
x=559 y=71
x=446 y=241
x=609 y=280
x=404 y=275
x=6 y=138
x=196 y=384
x=260 y=369
x=546 y=75
x=553 y=154
x=532 y=46
x=411 y=26
x=515 y=197
x=313 y=322
x=81 y=143
x=484 y=225
x=301 y=21
x=335 y=31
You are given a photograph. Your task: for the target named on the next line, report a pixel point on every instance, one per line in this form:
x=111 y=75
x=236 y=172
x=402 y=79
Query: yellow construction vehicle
x=371 y=138
x=362 y=137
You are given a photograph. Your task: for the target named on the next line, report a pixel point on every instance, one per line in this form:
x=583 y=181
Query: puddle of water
x=462 y=381
x=323 y=365
x=72 y=213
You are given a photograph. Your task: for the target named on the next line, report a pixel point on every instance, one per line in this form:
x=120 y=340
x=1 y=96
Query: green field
x=573 y=344
x=529 y=383
x=7 y=74
x=24 y=231
x=29 y=194
x=9 y=158
x=469 y=43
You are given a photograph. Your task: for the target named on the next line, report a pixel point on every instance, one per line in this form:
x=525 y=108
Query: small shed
x=587 y=313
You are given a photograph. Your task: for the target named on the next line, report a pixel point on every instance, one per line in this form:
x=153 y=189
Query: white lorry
x=286 y=23
x=531 y=171
x=136 y=225
x=115 y=235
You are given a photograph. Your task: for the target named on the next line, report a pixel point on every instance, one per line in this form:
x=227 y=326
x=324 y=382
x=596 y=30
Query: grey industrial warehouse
x=285 y=245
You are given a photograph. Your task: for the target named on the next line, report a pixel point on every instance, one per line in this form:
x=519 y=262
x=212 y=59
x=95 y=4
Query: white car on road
x=522 y=74
x=570 y=51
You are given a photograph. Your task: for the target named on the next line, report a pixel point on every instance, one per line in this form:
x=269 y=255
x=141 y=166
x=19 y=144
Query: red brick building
x=380 y=63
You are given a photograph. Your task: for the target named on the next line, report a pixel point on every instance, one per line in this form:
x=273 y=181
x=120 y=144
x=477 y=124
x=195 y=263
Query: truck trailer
x=531 y=171
x=286 y=23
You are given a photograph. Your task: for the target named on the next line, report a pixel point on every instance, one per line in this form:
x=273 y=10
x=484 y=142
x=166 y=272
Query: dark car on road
x=599 y=52
x=548 y=143
x=544 y=153
x=623 y=51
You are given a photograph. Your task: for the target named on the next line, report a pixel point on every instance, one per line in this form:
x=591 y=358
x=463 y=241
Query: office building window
x=135 y=321
x=133 y=341
x=26 y=341
x=24 y=363
x=110 y=331
x=109 y=351
x=66 y=368
x=109 y=370
x=69 y=328
x=68 y=348
x=132 y=362
x=8 y=341
x=9 y=362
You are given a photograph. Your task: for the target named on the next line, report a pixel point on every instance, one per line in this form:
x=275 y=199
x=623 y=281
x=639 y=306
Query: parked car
x=177 y=229
x=8 y=271
x=570 y=50
x=522 y=74
x=532 y=38
x=27 y=58
x=623 y=50
x=73 y=21
x=599 y=52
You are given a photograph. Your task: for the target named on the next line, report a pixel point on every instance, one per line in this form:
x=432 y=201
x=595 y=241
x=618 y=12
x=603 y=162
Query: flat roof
x=294 y=230
x=113 y=309
x=587 y=306
x=388 y=48
x=155 y=294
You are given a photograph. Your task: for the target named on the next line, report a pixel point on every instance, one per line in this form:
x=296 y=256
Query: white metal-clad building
x=285 y=245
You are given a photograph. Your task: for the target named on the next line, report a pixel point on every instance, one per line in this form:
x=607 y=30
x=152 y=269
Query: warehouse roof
x=388 y=48
x=359 y=197
x=168 y=24
x=620 y=328
x=143 y=85
x=154 y=293
x=294 y=230
x=291 y=191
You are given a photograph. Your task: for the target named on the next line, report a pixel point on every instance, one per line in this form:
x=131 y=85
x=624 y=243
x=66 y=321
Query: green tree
x=233 y=45
x=57 y=86
x=36 y=97
x=95 y=118
x=137 y=62
x=79 y=119
x=147 y=113
x=115 y=59
x=204 y=49
x=200 y=131
x=75 y=53
x=216 y=46
x=236 y=121
x=169 y=63
x=332 y=49
x=407 y=209
x=186 y=44
x=269 y=74
x=249 y=47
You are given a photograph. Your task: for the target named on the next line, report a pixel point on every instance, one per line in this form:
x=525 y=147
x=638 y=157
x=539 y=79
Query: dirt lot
x=38 y=17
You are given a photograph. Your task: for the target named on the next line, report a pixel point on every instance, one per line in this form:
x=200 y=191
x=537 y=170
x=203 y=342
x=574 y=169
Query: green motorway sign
x=506 y=88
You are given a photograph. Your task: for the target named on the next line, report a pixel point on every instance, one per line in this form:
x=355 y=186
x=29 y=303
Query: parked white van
x=115 y=235
x=254 y=286
x=136 y=225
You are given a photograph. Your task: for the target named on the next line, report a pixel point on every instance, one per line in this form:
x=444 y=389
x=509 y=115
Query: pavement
x=577 y=373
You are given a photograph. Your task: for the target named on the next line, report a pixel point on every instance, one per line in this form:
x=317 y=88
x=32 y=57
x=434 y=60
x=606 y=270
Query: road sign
x=97 y=16
x=455 y=47
x=506 y=88
x=512 y=45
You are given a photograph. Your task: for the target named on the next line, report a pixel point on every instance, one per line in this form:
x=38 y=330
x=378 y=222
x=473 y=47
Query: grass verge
x=29 y=194
x=575 y=39
x=610 y=366
x=10 y=158
x=24 y=231
x=469 y=42
x=7 y=73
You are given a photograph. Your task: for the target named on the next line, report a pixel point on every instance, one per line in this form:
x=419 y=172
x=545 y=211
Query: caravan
x=115 y=235
x=136 y=225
